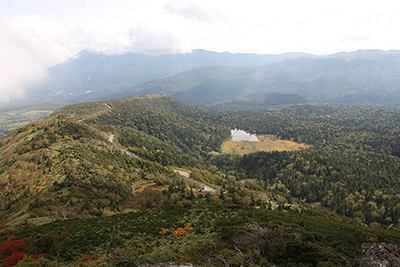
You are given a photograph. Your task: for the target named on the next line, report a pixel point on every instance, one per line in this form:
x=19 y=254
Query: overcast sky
x=37 y=34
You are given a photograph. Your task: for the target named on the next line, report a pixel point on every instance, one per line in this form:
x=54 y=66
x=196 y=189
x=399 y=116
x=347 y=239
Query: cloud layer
x=36 y=34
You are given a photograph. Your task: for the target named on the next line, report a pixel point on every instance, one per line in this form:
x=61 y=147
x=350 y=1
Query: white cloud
x=19 y=67
x=36 y=34
x=195 y=11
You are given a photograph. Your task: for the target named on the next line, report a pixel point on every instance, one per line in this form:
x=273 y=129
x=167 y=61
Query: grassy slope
x=56 y=167
x=267 y=143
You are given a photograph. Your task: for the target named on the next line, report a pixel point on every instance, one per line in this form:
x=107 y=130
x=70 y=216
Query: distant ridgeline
x=205 y=77
x=316 y=204
x=218 y=82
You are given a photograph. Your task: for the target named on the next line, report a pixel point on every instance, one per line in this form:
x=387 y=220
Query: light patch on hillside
x=267 y=143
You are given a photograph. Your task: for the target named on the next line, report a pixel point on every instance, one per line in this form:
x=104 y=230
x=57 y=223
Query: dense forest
x=118 y=159
x=352 y=167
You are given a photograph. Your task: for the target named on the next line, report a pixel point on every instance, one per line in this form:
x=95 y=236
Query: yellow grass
x=267 y=143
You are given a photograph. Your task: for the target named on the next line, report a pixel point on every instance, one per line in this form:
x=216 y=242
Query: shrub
x=8 y=248
x=41 y=262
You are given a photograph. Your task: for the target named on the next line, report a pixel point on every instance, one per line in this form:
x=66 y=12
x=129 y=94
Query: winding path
x=111 y=137
x=187 y=175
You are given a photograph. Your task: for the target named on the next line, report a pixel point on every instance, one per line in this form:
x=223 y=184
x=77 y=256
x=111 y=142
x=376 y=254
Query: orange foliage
x=141 y=189
x=181 y=231
x=163 y=231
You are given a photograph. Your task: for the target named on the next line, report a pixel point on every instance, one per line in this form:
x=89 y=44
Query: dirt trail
x=111 y=137
x=187 y=175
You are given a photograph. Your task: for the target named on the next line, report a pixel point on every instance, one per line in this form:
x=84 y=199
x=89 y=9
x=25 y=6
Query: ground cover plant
x=96 y=183
x=266 y=143
x=198 y=234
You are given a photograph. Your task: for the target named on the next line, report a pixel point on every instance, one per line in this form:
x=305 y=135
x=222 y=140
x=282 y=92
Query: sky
x=38 y=34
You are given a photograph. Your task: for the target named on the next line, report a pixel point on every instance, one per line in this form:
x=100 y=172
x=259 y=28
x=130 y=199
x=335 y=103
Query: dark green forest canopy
x=334 y=127
x=349 y=169
x=352 y=167
x=152 y=236
x=191 y=129
x=66 y=166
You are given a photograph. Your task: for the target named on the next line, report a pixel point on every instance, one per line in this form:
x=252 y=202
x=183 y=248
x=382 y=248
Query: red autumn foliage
x=64 y=233
x=8 y=248
x=109 y=259
x=90 y=257
x=14 y=258
x=14 y=251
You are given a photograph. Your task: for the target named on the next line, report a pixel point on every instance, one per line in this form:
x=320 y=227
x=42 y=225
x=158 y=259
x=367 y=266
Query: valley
x=147 y=171
x=102 y=173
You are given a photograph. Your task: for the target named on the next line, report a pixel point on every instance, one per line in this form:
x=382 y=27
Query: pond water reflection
x=240 y=135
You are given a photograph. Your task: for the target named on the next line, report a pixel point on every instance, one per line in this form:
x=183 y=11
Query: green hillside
x=70 y=166
x=173 y=122
x=96 y=182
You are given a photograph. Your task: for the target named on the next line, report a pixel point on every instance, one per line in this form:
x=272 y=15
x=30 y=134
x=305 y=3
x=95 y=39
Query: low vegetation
x=71 y=192
x=266 y=143
x=202 y=234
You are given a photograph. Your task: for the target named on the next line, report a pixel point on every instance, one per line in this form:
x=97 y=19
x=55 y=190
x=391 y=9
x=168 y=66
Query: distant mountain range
x=88 y=74
x=203 y=76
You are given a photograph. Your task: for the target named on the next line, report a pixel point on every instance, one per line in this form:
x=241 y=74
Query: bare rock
x=382 y=255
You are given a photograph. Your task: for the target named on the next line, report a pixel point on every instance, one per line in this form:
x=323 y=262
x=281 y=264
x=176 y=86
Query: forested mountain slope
x=242 y=81
x=371 y=76
x=64 y=168
x=203 y=76
x=90 y=76
x=313 y=206
x=191 y=129
x=69 y=165
x=352 y=167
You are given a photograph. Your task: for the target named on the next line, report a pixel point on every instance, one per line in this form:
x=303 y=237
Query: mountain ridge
x=68 y=190
x=320 y=79
x=90 y=72
x=360 y=77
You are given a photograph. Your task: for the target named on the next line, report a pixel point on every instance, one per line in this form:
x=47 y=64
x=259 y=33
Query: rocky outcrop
x=382 y=255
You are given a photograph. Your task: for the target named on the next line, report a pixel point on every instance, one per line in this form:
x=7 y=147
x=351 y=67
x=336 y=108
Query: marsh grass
x=267 y=143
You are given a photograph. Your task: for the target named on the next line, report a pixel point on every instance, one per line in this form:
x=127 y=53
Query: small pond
x=240 y=135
